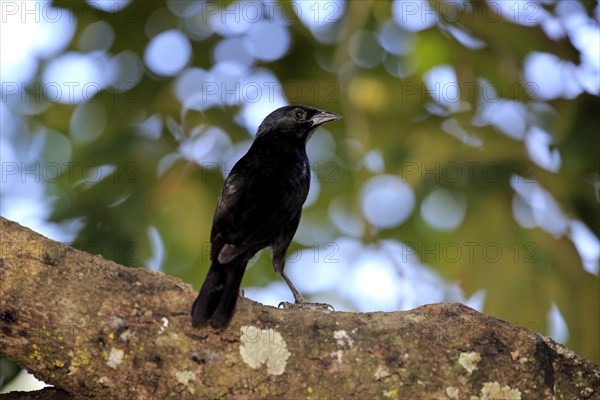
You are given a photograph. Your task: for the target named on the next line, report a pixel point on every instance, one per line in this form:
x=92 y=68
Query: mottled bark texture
x=96 y=329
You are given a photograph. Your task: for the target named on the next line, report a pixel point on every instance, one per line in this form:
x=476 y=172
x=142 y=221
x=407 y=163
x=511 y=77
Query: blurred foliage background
x=465 y=168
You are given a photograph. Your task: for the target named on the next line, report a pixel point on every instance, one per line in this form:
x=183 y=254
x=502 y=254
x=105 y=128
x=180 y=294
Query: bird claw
x=306 y=305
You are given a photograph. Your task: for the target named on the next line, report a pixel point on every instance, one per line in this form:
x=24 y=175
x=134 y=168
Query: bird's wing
x=259 y=198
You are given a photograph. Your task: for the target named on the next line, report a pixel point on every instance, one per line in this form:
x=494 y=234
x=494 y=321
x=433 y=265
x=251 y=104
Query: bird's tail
x=216 y=301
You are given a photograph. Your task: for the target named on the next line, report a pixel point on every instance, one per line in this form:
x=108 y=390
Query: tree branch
x=96 y=329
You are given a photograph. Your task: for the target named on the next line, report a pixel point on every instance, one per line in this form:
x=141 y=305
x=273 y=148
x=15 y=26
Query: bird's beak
x=323 y=117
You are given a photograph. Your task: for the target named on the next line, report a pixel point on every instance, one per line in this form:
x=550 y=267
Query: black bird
x=259 y=206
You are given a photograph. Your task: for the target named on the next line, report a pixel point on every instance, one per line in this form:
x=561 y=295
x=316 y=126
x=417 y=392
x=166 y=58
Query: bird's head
x=295 y=123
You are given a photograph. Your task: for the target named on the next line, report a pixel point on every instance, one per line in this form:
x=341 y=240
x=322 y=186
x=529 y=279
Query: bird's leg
x=297 y=296
x=299 y=301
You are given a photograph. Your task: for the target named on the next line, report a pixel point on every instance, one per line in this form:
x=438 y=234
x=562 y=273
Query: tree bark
x=96 y=329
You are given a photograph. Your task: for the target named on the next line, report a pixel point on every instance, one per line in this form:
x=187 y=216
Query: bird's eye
x=300 y=115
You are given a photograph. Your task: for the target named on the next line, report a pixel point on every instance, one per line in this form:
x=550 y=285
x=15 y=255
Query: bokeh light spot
x=268 y=41
x=443 y=209
x=414 y=15
x=168 y=53
x=87 y=122
x=74 y=77
x=387 y=201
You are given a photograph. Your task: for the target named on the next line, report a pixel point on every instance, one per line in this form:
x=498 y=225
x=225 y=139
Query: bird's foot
x=306 y=305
